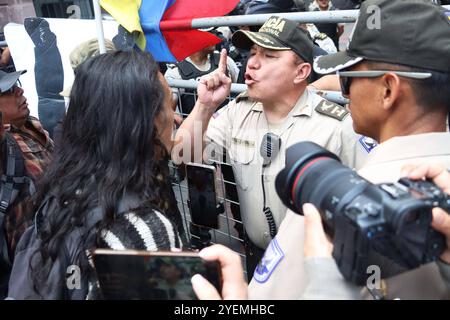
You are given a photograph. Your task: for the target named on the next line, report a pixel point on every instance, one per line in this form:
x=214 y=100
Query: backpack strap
x=11 y=183
x=14 y=177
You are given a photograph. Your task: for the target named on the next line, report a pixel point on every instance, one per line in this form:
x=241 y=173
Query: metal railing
x=334 y=96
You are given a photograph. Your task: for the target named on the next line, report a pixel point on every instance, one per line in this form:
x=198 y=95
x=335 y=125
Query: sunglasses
x=11 y=90
x=345 y=77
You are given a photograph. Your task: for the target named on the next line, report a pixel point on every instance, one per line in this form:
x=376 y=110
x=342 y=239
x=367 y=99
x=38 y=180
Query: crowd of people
x=107 y=183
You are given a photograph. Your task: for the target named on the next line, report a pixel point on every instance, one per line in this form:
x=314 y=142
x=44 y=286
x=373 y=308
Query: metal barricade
x=230 y=231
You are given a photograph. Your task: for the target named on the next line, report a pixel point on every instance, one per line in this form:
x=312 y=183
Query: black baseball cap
x=277 y=34
x=413 y=33
x=7 y=80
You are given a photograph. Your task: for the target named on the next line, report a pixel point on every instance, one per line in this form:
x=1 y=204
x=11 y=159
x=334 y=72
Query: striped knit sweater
x=151 y=231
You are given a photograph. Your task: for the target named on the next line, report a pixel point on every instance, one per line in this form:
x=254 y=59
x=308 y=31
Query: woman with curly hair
x=108 y=185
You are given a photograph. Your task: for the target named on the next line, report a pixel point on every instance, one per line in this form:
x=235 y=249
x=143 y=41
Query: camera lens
x=385 y=225
x=315 y=175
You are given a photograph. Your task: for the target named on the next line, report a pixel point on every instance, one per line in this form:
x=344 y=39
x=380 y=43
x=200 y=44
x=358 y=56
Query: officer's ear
x=391 y=87
x=303 y=70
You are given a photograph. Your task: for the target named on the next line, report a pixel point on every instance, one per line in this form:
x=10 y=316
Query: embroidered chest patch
x=269 y=262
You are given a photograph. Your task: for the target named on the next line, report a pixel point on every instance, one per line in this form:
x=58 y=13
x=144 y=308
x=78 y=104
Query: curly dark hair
x=109 y=147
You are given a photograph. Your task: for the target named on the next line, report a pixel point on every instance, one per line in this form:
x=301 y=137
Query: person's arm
x=212 y=90
x=340 y=30
x=329 y=82
x=234 y=286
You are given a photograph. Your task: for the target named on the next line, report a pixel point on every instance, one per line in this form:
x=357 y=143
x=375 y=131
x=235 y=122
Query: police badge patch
x=269 y=262
x=368 y=143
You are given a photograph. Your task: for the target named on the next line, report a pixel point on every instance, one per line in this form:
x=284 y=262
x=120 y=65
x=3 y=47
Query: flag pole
x=338 y=16
x=99 y=24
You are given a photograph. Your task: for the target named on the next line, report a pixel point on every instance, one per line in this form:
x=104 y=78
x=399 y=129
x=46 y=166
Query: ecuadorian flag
x=164 y=26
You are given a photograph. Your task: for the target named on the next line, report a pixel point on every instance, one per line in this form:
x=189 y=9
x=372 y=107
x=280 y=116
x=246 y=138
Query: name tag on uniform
x=245 y=143
x=269 y=262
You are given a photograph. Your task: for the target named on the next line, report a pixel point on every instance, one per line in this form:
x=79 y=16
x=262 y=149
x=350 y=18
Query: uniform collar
x=303 y=106
x=405 y=147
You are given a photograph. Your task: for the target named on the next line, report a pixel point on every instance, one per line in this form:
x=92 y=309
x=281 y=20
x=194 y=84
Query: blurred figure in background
x=333 y=30
x=194 y=67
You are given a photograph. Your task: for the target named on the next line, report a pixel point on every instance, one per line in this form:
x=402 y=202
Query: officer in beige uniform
x=276 y=112
x=406 y=112
x=241 y=127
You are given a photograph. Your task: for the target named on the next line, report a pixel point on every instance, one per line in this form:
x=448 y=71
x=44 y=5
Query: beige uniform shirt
x=240 y=128
x=383 y=165
x=287 y=280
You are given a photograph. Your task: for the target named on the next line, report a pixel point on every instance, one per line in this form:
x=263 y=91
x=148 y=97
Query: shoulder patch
x=368 y=143
x=219 y=112
x=332 y=110
x=269 y=262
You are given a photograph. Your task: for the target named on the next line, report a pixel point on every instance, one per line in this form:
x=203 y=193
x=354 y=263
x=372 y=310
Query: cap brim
x=9 y=79
x=334 y=62
x=245 y=40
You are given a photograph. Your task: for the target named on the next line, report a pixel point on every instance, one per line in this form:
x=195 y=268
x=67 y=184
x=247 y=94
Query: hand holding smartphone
x=232 y=274
x=144 y=275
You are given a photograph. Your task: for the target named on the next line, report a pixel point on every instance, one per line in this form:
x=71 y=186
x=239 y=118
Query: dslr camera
x=387 y=225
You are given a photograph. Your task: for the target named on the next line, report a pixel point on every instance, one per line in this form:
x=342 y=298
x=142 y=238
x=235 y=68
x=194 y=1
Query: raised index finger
x=223 y=61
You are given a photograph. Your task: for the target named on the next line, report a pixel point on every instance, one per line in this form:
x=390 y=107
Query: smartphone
x=145 y=275
x=202 y=194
